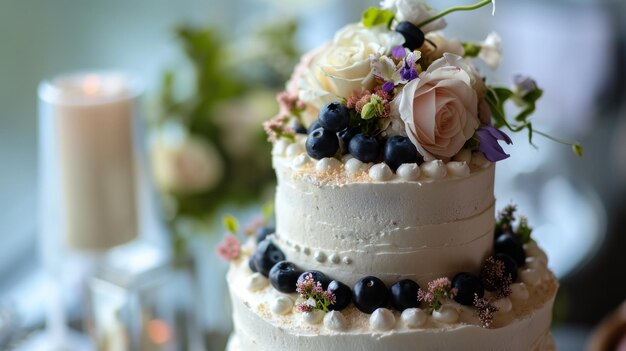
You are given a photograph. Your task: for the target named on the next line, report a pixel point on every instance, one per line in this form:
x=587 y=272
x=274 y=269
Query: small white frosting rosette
x=382 y=320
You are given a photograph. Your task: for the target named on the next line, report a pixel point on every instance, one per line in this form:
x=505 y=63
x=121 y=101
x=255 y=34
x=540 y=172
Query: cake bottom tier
x=263 y=324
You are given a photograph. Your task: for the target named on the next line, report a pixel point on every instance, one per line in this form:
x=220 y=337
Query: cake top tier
x=394 y=89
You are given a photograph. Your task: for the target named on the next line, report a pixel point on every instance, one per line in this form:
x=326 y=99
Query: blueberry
x=467 y=285
x=266 y=256
x=345 y=136
x=284 y=276
x=404 y=295
x=399 y=150
x=501 y=229
x=317 y=276
x=370 y=293
x=364 y=148
x=251 y=264
x=343 y=295
x=413 y=36
x=510 y=267
x=334 y=116
x=322 y=143
x=508 y=243
x=300 y=129
x=263 y=232
x=316 y=124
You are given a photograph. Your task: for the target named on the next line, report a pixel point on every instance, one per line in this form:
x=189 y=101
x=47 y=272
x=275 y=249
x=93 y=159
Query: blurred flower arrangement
x=208 y=148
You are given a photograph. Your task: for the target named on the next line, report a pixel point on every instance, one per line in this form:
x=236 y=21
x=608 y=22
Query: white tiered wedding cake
x=386 y=235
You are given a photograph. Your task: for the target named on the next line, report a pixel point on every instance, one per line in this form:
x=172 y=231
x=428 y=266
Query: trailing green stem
x=454 y=9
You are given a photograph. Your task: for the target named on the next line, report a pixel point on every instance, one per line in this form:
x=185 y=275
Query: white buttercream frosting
x=313 y=317
x=382 y=319
x=446 y=314
x=256 y=282
x=301 y=161
x=409 y=171
x=525 y=327
x=504 y=305
x=413 y=317
x=354 y=166
x=435 y=169
x=380 y=172
x=280 y=146
x=458 y=169
x=419 y=230
x=349 y=219
x=294 y=150
x=327 y=164
x=282 y=305
x=336 y=321
x=519 y=291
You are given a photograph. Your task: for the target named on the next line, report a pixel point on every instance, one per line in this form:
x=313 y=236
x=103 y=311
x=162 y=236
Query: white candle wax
x=93 y=118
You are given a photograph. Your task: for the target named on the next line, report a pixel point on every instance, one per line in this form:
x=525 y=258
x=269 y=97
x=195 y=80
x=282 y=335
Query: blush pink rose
x=440 y=108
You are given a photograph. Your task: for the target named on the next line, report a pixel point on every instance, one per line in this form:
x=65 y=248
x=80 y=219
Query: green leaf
x=374 y=17
x=523 y=230
x=231 y=224
x=530 y=99
x=471 y=49
x=496 y=97
x=529 y=126
x=578 y=149
x=268 y=211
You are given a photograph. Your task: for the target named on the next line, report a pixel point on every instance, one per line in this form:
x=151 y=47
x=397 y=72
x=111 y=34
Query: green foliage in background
x=225 y=74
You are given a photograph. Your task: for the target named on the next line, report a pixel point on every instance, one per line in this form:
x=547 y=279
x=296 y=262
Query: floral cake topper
x=395 y=74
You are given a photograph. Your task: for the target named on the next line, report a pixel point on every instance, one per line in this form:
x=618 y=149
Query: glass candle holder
x=88 y=185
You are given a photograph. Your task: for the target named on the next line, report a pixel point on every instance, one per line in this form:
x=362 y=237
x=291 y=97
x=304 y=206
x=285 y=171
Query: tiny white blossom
x=311 y=302
x=491 y=50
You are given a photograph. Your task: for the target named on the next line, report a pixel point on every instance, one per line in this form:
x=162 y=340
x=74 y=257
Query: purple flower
x=408 y=72
x=388 y=87
x=489 y=136
x=398 y=52
x=523 y=84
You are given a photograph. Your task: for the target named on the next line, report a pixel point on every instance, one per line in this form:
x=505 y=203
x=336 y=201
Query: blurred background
x=210 y=70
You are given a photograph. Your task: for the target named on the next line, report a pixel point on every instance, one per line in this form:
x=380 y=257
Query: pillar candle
x=93 y=125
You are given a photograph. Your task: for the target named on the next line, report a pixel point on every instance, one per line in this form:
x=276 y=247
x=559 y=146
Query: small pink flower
x=313 y=295
x=439 y=283
x=229 y=248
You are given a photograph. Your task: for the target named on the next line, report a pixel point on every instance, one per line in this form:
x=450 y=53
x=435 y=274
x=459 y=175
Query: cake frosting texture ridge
x=385 y=234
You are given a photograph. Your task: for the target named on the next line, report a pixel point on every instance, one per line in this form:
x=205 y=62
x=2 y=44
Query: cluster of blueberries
x=371 y=293
x=332 y=128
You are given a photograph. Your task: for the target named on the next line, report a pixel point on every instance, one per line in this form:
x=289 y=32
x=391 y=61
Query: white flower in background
x=439 y=108
x=343 y=67
x=491 y=50
x=414 y=11
x=443 y=45
x=189 y=165
x=241 y=119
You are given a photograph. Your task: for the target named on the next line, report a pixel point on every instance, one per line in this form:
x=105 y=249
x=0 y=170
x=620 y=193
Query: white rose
x=439 y=108
x=491 y=50
x=414 y=11
x=187 y=166
x=342 y=67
